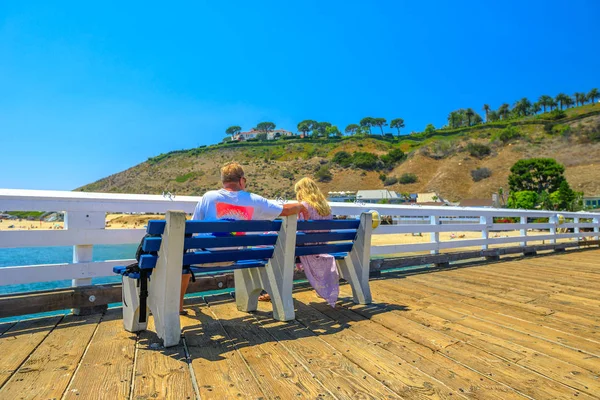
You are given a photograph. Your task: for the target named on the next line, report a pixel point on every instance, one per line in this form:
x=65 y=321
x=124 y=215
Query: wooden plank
x=220 y=371
x=557 y=320
x=17 y=343
x=391 y=370
x=570 y=355
x=457 y=377
x=494 y=367
x=538 y=306
x=339 y=375
x=106 y=368
x=160 y=372
x=279 y=374
x=561 y=371
x=49 y=368
x=6 y=326
x=79 y=297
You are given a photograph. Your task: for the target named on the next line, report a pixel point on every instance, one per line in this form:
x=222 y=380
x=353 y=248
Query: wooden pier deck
x=508 y=330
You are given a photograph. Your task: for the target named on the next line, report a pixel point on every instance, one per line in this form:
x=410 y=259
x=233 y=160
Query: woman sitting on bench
x=320 y=269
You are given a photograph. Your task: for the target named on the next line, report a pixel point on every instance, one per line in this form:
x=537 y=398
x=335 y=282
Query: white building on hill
x=252 y=133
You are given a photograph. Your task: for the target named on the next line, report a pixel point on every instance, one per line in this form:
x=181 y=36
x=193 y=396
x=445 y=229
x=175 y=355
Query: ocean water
x=59 y=255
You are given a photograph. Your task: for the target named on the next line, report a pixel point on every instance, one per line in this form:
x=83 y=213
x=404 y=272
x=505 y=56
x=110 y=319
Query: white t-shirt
x=239 y=205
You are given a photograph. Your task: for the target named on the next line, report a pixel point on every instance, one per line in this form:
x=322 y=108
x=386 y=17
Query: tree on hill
x=544 y=101
x=367 y=122
x=504 y=111
x=351 y=129
x=537 y=175
x=486 y=108
x=469 y=114
x=322 y=128
x=552 y=104
x=592 y=95
x=454 y=119
x=493 y=116
x=536 y=107
x=561 y=99
x=306 y=126
x=332 y=131
x=522 y=107
x=568 y=101
x=397 y=124
x=265 y=127
x=380 y=122
x=429 y=128
x=579 y=98
x=233 y=130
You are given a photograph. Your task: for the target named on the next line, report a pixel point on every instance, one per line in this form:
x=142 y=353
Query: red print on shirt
x=225 y=210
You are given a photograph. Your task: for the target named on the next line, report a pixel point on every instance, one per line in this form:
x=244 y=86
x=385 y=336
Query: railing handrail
x=86 y=213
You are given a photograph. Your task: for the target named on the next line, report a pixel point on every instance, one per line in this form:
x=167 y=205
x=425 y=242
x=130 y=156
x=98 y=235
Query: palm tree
x=487 y=109
x=351 y=129
x=397 y=123
x=504 y=110
x=560 y=98
x=367 y=122
x=568 y=101
x=579 y=98
x=469 y=113
x=592 y=94
x=552 y=104
x=536 y=107
x=544 y=100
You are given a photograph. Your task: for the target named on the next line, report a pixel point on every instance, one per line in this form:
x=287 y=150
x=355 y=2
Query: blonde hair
x=307 y=190
x=231 y=172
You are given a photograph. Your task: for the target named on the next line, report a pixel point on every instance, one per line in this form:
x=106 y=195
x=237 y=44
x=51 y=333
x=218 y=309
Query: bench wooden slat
x=324 y=249
x=238 y=265
x=203 y=242
x=320 y=237
x=148 y=261
x=328 y=224
x=157 y=227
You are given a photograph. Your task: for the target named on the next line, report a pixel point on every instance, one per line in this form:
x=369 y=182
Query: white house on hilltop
x=252 y=133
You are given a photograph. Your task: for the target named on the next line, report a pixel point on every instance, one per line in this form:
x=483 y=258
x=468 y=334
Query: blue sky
x=90 y=89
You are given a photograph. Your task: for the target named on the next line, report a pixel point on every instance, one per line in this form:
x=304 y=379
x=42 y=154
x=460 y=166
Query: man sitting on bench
x=233 y=202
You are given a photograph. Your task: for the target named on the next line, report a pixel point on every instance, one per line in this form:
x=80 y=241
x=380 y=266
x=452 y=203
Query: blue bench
x=260 y=261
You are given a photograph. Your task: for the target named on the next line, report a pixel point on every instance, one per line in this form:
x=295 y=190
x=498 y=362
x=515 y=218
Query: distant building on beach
x=591 y=201
x=378 y=196
x=252 y=133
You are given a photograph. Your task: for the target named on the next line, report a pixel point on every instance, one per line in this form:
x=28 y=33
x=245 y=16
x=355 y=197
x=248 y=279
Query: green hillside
x=464 y=162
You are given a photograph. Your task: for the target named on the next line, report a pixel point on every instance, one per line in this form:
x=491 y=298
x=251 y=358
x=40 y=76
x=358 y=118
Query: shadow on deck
x=516 y=329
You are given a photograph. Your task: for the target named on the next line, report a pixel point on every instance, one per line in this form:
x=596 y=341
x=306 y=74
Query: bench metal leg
x=131 y=306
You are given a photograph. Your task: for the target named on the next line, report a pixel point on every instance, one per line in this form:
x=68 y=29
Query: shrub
x=509 y=133
x=287 y=175
x=563 y=130
x=323 y=174
x=408 y=178
x=393 y=157
x=556 y=115
x=364 y=160
x=261 y=136
x=390 y=180
x=382 y=177
x=439 y=149
x=342 y=158
x=481 y=174
x=478 y=150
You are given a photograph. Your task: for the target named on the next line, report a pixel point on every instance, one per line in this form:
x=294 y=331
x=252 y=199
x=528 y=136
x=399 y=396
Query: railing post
x=576 y=229
x=523 y=232
x=553 y=220
x=434 y=237
x=596 y=222
x=83 y=253
x=485 y=233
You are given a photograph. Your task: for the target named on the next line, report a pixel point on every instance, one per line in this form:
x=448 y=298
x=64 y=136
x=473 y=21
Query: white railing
x=85 y=215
